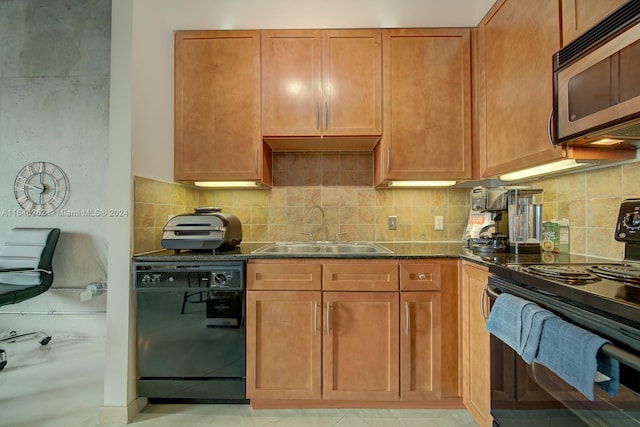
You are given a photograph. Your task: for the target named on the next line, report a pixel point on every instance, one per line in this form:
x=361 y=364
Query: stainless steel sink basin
x=293 y=248
x=355 y=248
x=319 y=248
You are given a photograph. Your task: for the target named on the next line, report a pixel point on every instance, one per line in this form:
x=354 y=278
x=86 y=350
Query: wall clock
x=41 y=188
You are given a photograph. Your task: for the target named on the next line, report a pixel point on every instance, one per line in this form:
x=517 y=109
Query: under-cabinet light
x=421 y=183
x=227 y=184
x=558 y=166
x=607 y=141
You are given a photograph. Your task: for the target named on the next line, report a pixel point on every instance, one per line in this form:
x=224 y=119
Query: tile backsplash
x=340 y=182
x=591 y=200
x=342 y=186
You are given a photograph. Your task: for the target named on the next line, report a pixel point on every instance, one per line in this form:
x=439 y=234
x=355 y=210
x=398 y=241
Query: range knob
x=219 y=279
x=632 y=220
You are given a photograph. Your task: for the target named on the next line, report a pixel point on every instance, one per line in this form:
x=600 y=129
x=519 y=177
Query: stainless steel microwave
x=596 y=84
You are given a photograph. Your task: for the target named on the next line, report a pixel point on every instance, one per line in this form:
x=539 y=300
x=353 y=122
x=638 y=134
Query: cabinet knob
x=422 y=276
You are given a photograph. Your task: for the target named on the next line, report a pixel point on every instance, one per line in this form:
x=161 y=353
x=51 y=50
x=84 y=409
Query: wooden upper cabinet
x=321 y=83
x=427 y=105
x=580 y=15
x=352 y=82
x=217 y=107
x=292 y=82
x=516 y=42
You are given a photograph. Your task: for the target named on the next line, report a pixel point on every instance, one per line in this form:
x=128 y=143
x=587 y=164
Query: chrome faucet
x=324 y=236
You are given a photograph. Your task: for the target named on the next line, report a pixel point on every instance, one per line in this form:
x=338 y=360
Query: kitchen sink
x=318 y=248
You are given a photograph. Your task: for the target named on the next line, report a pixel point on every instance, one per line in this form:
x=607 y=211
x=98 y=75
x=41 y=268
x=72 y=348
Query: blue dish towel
x=610 y=368
x=533 y=318
x=571 y=353
x=505 y=320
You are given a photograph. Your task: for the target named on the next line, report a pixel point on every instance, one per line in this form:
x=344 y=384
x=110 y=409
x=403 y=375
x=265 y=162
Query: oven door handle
x=621 y=355
x=492 y=295
x=610 y=350
x=482 y=310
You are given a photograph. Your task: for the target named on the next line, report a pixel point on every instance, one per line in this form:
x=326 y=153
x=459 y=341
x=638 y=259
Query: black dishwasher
x=191 y=330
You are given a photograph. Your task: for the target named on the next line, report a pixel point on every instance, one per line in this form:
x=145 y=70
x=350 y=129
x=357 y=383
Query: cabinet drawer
x=360 y=276
x=421 y=276
x=278 y=275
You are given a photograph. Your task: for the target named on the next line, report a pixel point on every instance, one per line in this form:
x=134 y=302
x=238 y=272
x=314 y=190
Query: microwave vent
x=627 y=131
x=618 y=21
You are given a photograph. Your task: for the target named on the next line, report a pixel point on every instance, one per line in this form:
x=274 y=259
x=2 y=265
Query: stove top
x=612 y=288
x=577 y=274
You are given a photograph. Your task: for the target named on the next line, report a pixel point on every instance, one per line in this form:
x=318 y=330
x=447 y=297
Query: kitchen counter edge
x=401 y=251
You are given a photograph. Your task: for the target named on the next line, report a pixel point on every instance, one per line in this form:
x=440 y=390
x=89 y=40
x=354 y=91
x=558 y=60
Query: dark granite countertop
x=401 y=250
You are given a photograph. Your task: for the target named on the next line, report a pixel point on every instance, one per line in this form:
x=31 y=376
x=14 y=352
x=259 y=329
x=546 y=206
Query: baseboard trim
x=122 y=414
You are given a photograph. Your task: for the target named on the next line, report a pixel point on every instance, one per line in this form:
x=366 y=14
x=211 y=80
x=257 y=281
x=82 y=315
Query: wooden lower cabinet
x=283 y=345
x=341 y=341
x=360 y=348
x=429 y=331
x=420 y=346
x=475 y=343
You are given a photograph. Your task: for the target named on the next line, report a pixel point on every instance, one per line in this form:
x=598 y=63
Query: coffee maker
x=482 y=233
x=524 y=212
x=525 y=221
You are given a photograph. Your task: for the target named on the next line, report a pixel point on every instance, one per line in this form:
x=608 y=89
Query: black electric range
x=611 y=288
x=602 y=297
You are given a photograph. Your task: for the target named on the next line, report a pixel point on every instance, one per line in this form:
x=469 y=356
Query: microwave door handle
x=549 y=129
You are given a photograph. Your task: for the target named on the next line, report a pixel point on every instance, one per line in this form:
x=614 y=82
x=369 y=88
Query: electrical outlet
x=392 y=222
x=438 y=223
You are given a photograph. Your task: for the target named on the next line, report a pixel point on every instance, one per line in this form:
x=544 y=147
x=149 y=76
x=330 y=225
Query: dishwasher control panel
x=223 y=276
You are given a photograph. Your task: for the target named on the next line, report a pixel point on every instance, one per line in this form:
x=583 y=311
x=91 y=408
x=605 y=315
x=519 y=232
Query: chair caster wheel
x=3 y=359
x=45 y=340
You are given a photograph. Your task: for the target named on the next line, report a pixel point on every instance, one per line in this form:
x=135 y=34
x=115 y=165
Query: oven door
x=523 y=394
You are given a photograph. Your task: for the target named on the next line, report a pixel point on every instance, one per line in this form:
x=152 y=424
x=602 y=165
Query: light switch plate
x=392 y=222
x=438 y=223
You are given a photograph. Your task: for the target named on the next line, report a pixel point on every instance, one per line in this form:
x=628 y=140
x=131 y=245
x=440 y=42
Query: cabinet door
x=322 y=83
x=420 y=346
x=352 y=82
x=291 y=75
x=217 y=106
x=515 y=47
x=360 y=347
x=580 y=15
x=475 y=344
x=284 y=341
x=427 y=105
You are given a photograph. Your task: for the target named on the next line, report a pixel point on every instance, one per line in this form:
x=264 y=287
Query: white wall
x=155 y=21
x=54 y=106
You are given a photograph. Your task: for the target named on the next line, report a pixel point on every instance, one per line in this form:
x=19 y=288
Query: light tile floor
x=60 y=385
